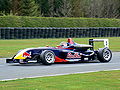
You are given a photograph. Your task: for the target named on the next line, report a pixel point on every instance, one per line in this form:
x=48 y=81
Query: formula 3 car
x=66 y=52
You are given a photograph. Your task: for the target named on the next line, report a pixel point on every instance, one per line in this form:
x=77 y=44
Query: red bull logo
x=25 y=54
x=75 y=55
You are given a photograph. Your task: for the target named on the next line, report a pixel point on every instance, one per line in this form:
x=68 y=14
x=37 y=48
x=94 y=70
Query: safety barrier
x=53 y=32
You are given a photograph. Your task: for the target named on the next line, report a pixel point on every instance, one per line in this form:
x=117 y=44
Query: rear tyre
x=104 y=55
x=47 y=57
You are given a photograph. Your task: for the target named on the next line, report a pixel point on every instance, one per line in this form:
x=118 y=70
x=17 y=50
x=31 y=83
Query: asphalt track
x=17 y=71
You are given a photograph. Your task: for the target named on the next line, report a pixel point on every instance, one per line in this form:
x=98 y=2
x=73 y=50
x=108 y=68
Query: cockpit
x=72 y=44
x=67 y=44
x=63 y=44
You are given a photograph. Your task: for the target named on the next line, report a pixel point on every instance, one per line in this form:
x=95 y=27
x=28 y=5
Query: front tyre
x=47 y=57
x=104 y=55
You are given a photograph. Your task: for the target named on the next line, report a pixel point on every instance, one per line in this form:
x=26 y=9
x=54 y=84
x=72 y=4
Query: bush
x=24 y=21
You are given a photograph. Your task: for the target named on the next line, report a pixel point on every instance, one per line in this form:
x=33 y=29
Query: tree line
x=61 y=8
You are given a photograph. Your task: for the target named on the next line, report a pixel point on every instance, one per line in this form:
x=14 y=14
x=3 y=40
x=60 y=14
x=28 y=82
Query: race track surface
x=17 y=71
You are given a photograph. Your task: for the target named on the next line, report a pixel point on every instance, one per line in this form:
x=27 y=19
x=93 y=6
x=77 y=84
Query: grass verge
x=10 y=47
x=104 y=80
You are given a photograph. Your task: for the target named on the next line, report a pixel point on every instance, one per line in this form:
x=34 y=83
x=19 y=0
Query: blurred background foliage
x=61 y=8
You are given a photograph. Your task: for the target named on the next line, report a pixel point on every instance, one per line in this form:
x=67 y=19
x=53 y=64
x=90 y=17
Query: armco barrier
x=37 y=32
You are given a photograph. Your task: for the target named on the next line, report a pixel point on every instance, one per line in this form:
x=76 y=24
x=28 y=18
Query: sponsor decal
x=25 y=54
x=57 y=59
x=74 y=55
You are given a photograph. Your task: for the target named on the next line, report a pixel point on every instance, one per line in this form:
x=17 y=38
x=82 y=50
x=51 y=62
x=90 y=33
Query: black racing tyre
x=47 y=57
x=104 y=55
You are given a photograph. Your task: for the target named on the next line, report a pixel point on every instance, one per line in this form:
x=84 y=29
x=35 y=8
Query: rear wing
x=106 y=42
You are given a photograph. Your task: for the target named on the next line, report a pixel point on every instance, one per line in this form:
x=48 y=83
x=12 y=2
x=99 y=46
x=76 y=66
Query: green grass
x=10 y=47
x=104 y=80
x=23 y=21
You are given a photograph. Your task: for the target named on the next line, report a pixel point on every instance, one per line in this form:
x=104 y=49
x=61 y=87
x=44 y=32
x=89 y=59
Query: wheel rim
x=107 y=54
x=49 y=57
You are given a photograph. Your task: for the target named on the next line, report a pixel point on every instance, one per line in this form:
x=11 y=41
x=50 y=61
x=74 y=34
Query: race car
x=66 y=52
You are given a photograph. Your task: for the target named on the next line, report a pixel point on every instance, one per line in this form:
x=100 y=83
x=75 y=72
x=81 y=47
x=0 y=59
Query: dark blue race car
x=66 y=52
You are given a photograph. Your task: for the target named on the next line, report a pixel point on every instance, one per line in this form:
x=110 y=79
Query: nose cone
x=23 y=54
x=19 y=56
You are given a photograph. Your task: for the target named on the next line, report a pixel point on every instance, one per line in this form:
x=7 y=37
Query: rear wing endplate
x=106 y=42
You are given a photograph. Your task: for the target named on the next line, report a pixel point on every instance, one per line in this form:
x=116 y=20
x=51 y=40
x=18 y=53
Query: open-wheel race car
x=66 y=52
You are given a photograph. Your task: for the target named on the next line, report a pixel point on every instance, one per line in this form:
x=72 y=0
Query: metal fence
x=36 y=32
